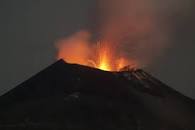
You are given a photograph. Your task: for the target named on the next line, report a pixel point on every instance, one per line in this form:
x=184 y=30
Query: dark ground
x=73 y=97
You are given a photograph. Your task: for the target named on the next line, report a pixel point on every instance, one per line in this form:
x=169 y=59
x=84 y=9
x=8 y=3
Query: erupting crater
x=102 y=56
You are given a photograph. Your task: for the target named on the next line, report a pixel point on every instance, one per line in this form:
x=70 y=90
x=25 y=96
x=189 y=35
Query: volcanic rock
x=75 y=97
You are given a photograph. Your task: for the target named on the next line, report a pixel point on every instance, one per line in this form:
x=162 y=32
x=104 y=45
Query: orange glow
x=77 y=49
x=107 y=58
x=104 y=58
x=104 y=64
x=121 y=63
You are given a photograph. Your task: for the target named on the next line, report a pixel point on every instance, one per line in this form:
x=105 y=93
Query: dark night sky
x=29 y=29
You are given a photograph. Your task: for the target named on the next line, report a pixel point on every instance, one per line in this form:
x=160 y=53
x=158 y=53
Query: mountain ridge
x=75 y=97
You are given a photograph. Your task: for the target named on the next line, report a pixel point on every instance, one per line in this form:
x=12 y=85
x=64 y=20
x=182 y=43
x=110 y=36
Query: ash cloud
x=139 y=29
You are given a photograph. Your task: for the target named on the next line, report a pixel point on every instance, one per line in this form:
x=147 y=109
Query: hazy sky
x=29 y=29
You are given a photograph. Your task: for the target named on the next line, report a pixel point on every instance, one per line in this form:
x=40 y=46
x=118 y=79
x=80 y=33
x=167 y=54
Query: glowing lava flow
x=104 y=58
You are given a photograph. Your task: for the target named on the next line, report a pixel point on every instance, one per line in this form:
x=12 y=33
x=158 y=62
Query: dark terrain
x=74 y=97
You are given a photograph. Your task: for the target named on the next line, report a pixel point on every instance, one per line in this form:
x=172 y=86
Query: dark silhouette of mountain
x=75 y=97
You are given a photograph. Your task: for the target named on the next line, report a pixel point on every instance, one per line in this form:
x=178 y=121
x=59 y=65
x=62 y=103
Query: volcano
x=74 y=97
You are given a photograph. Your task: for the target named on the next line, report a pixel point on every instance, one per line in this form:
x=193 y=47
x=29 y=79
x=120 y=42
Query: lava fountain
x=107 y=58
x=102 y=55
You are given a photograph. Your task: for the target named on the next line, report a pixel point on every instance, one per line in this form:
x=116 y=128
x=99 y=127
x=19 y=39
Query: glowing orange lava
x=104 y=64
x=103 y=56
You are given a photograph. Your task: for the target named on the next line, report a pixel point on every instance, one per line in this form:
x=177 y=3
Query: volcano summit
x=75 y=97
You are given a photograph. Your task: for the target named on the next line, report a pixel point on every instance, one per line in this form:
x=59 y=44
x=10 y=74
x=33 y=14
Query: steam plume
x=136 y=30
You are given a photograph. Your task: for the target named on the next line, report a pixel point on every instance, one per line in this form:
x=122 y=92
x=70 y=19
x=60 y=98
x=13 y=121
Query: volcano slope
x=74 y=97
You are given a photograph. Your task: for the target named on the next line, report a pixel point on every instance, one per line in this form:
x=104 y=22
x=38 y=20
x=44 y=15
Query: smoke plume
x=133 y=27
x=139 y=29
x=76 y=48
x=136 y=30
